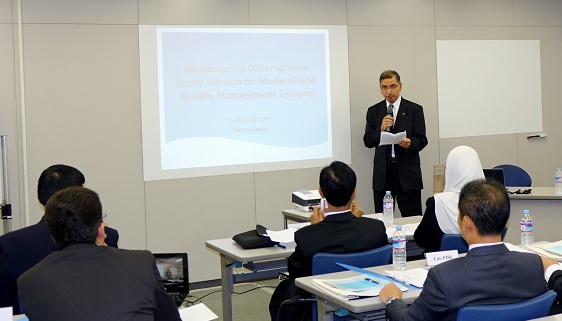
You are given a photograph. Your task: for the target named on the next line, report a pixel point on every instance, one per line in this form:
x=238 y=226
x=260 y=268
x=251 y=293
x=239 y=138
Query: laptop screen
x=173 y=271
x=495 y=173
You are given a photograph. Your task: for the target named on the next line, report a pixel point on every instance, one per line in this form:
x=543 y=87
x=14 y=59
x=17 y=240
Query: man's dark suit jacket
x=22 y=249
x=410 y=118
x=87 y=282
x=555 y=283
x=338 y=233
x=486 y=275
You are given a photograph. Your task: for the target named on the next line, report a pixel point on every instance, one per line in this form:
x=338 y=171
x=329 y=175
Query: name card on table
x=435 y=258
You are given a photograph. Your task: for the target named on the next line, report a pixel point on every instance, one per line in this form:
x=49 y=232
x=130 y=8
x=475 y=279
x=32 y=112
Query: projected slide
x=228 y=100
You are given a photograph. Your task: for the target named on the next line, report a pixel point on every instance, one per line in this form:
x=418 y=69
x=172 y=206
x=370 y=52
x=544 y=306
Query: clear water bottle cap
x=558 y=168
x=398 y=227
x=525 y=211
x=387 y=192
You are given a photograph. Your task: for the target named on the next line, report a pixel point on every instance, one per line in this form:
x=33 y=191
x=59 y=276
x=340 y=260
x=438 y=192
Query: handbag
x=253 y=239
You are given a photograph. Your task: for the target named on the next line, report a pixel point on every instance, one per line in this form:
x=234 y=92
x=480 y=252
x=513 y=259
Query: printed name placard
x=435 y=258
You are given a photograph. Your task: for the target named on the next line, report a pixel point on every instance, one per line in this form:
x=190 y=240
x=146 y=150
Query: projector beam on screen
x=222 y=100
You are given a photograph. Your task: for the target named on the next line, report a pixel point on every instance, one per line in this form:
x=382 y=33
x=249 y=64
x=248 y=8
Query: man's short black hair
x=487 y=204
x=338 y=182
x=56 y=178
x=73 y=215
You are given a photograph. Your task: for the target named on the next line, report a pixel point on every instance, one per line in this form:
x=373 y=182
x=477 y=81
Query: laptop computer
x=495 y=173
x=174 y=273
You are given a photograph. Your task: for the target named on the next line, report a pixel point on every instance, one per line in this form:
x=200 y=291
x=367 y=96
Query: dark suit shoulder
x=411 y=104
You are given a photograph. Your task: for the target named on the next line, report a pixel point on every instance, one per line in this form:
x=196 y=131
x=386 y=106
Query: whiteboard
x=488 y=87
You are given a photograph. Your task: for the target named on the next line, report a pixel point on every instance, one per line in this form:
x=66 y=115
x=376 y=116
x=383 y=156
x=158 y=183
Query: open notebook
x=174 y=273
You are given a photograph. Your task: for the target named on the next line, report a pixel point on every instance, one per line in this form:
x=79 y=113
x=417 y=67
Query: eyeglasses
x=103 y=216
x=391 y=87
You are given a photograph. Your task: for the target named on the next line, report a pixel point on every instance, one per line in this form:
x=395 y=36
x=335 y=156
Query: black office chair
x=515 y=176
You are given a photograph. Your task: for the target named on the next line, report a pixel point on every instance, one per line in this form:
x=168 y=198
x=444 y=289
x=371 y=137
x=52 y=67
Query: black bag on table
x=254 y=239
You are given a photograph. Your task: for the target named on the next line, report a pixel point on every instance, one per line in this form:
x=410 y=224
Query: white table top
x=230 y=249
x=359 y=305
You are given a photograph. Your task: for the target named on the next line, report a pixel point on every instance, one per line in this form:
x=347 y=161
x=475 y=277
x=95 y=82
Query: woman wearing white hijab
x=440 y=217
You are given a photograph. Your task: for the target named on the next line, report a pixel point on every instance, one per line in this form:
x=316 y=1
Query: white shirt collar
x=333 y=213
x=473 y=246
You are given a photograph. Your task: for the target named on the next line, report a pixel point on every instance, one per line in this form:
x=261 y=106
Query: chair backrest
x=457 y=242
x=323 y=263
x=515 y=176
x=534 y=308
x=453 y=242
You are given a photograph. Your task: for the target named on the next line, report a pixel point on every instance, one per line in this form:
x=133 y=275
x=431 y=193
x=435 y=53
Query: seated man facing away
x=87 y=282
x=334 y=229
x=553 y=276
x=22 y=249
x=488 y=274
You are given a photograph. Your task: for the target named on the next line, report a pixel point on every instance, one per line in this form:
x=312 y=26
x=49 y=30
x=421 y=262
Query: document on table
x=390 y=138
x=6 y=314
x=409 y=229
x=198 y=312
x=542 y=249
x=284 y=236
x=554 y=247
x=351 y=288
x=415 y=277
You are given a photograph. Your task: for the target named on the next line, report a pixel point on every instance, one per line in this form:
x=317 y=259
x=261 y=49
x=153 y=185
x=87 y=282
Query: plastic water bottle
x=388 y=209
x=399 y=249
x=526 y=229
x=558 y=181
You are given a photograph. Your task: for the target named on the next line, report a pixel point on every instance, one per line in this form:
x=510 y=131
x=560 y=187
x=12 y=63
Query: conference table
x=367 y=309
x=545 y=209
x=268 y=262
x=361 y=309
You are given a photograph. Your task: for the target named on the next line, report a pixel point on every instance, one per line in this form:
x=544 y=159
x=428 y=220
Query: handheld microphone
x=389 y=113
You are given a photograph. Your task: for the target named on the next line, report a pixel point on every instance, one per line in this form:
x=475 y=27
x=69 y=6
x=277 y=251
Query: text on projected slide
x=269 y=89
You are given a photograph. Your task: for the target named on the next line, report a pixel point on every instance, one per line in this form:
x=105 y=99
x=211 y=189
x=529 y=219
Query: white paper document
x=6 y=314
x=354 y=287
x=390 y=138
x=408 y=229
x=198 y=312
x=415 y=277
x=284 y=236
x=351 y=288
x=546 y=249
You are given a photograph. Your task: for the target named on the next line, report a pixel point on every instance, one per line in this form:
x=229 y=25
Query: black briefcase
x=254 y=239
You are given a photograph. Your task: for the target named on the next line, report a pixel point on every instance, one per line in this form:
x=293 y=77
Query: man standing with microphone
x=396 y=167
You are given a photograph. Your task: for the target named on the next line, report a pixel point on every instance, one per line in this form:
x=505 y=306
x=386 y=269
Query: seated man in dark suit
x=22 y=249
x=488 y=274
x=87 y=282
x=553 y=276
x=334 y=229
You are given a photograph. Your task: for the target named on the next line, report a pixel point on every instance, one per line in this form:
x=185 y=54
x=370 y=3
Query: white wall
x=82 y=93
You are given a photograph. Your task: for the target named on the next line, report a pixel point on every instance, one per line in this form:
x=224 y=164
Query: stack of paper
x=415 y=277
x=351 y=288
x=552 y=250
x=355 y=287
